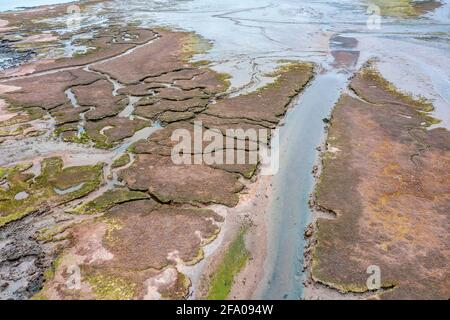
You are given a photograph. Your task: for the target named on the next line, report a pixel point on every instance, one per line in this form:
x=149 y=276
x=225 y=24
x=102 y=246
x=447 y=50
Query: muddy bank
x=406 y=8
x=381 y=198
x=105 y=99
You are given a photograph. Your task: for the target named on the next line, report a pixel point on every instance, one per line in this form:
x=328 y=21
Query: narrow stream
x=288 y=212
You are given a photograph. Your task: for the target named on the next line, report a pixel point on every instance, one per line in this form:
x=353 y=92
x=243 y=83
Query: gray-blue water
x=6 y=5
x=289 y=213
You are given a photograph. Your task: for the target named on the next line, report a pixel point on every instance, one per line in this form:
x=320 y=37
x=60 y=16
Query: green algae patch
x=404 y=8
x=40 y=296
x=14 y=133
x=109 y=199
x=26 y=193
x=53 y=176
x=422 y=105
x=24 y=113
x=194 y=44
x=70 y=177
x=285 y=68
x=290 y=65
x=233 y=261
x=13 y=208
x=82 y=138
x=50 y=234
x=201 y=63
x=109 y=287
x=49 y=274
x=122 y=161
x=112 y=225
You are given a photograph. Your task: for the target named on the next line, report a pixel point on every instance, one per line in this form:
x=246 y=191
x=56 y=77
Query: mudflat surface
x=385 y=186
x=128 y=222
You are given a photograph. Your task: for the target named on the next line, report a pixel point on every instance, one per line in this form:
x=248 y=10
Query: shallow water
x=288 y=212
x=6 y=5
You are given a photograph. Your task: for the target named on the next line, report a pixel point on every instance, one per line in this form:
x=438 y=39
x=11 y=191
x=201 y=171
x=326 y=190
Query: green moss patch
x=233 y=261
x=109 y=199
x=122 y=161
x=111 y=287
x=73 y=176
x=40 y=190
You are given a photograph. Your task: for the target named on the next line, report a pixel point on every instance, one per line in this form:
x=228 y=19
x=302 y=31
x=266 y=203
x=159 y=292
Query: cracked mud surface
x=87 y=186
x=129 y=218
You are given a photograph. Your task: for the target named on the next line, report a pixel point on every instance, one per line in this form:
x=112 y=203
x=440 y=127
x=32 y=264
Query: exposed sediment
x=405 y=8
x=382 y=197
x=138 y=215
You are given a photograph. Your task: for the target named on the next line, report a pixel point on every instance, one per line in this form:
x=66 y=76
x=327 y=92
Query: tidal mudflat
x=92 y=205
x=384 y=193
x=128 y=221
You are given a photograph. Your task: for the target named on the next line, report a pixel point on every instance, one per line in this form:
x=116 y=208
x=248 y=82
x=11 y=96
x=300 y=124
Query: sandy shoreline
x=256 y=202
x=251 y=211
